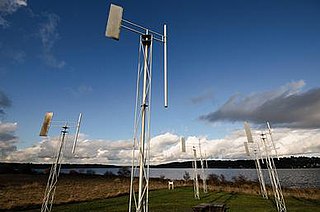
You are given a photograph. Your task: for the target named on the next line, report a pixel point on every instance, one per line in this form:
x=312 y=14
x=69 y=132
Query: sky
x=228 y=62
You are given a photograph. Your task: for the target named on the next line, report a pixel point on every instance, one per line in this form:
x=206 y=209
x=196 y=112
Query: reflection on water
x=299 y=178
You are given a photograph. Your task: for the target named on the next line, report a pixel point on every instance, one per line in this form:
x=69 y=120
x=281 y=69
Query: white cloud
x=49 y=35
x=8 y=7
x=167 y=148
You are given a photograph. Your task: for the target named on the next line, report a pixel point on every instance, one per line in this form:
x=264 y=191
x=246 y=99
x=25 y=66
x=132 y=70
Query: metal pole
x=53 y=177
x=271 y=137
x=204 y=177
x=260 y=177
x=281 y=207
x=196 y=182
x=165 y=66
x=146 y=42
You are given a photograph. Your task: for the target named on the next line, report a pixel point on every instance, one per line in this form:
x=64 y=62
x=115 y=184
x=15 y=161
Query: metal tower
x=203 y=173
x=256 y=150
x=141 y=137
x=195 y=175
x=273 y=174
x=54 y=174
x=55 y=168
x=204 y=166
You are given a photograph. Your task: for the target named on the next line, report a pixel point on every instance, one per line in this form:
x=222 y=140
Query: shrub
x=109 y=174
x=186 y=176
x=124 y=172
x=223 y=179
x=240 y=179
x=214 y=179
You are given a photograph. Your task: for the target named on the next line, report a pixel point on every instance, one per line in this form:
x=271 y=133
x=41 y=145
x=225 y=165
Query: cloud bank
x=296 y=111
x=286 y=106
x=167 y=148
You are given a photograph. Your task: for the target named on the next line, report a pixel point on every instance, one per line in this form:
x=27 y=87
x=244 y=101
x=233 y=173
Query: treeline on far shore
x=282 y=163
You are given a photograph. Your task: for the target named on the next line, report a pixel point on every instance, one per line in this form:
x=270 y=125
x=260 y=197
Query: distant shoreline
x=282 y=163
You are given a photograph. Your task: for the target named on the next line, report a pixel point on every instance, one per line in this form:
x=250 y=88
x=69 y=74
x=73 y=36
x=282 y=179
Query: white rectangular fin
x=248 y=132
x=114 y=22
x=46 y=124
x=76 y=134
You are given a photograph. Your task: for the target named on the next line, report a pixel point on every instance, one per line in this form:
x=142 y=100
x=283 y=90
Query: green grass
x=181 y=199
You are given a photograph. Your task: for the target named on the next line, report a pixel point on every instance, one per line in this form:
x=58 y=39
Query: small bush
x=214 y=179
x=186 y=176
x=109 y=174
x=124 y=172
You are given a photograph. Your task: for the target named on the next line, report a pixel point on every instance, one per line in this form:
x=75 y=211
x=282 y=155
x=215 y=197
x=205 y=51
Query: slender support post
x=204 y=177
x=195 y=177
x=256 y=150
x=53 y=177
x=278 y=196
x=263 y=189
x=165 y=66
x=146 y=41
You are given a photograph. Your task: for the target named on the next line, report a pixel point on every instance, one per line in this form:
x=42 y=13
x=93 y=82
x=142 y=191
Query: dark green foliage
x=109 y=174
x=240 y=179
x=124 y=172
x=214 y=179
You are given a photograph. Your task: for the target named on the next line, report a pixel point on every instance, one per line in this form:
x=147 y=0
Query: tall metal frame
x=273 y=174
x=255 y=148
x=256 y=157
x=263 y=188
x=195 y=175
x=203 y=173
x=204 y=166
x=269 y=147
x=54 y=174
x=49 y=194
x=141 y=136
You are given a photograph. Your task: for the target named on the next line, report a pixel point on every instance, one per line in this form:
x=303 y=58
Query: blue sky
x=54 y=57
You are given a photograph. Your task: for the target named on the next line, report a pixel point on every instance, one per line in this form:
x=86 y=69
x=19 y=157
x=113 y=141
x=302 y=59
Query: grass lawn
x=181 y=199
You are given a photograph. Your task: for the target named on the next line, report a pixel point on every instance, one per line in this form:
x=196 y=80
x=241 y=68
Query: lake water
x=292 y=178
